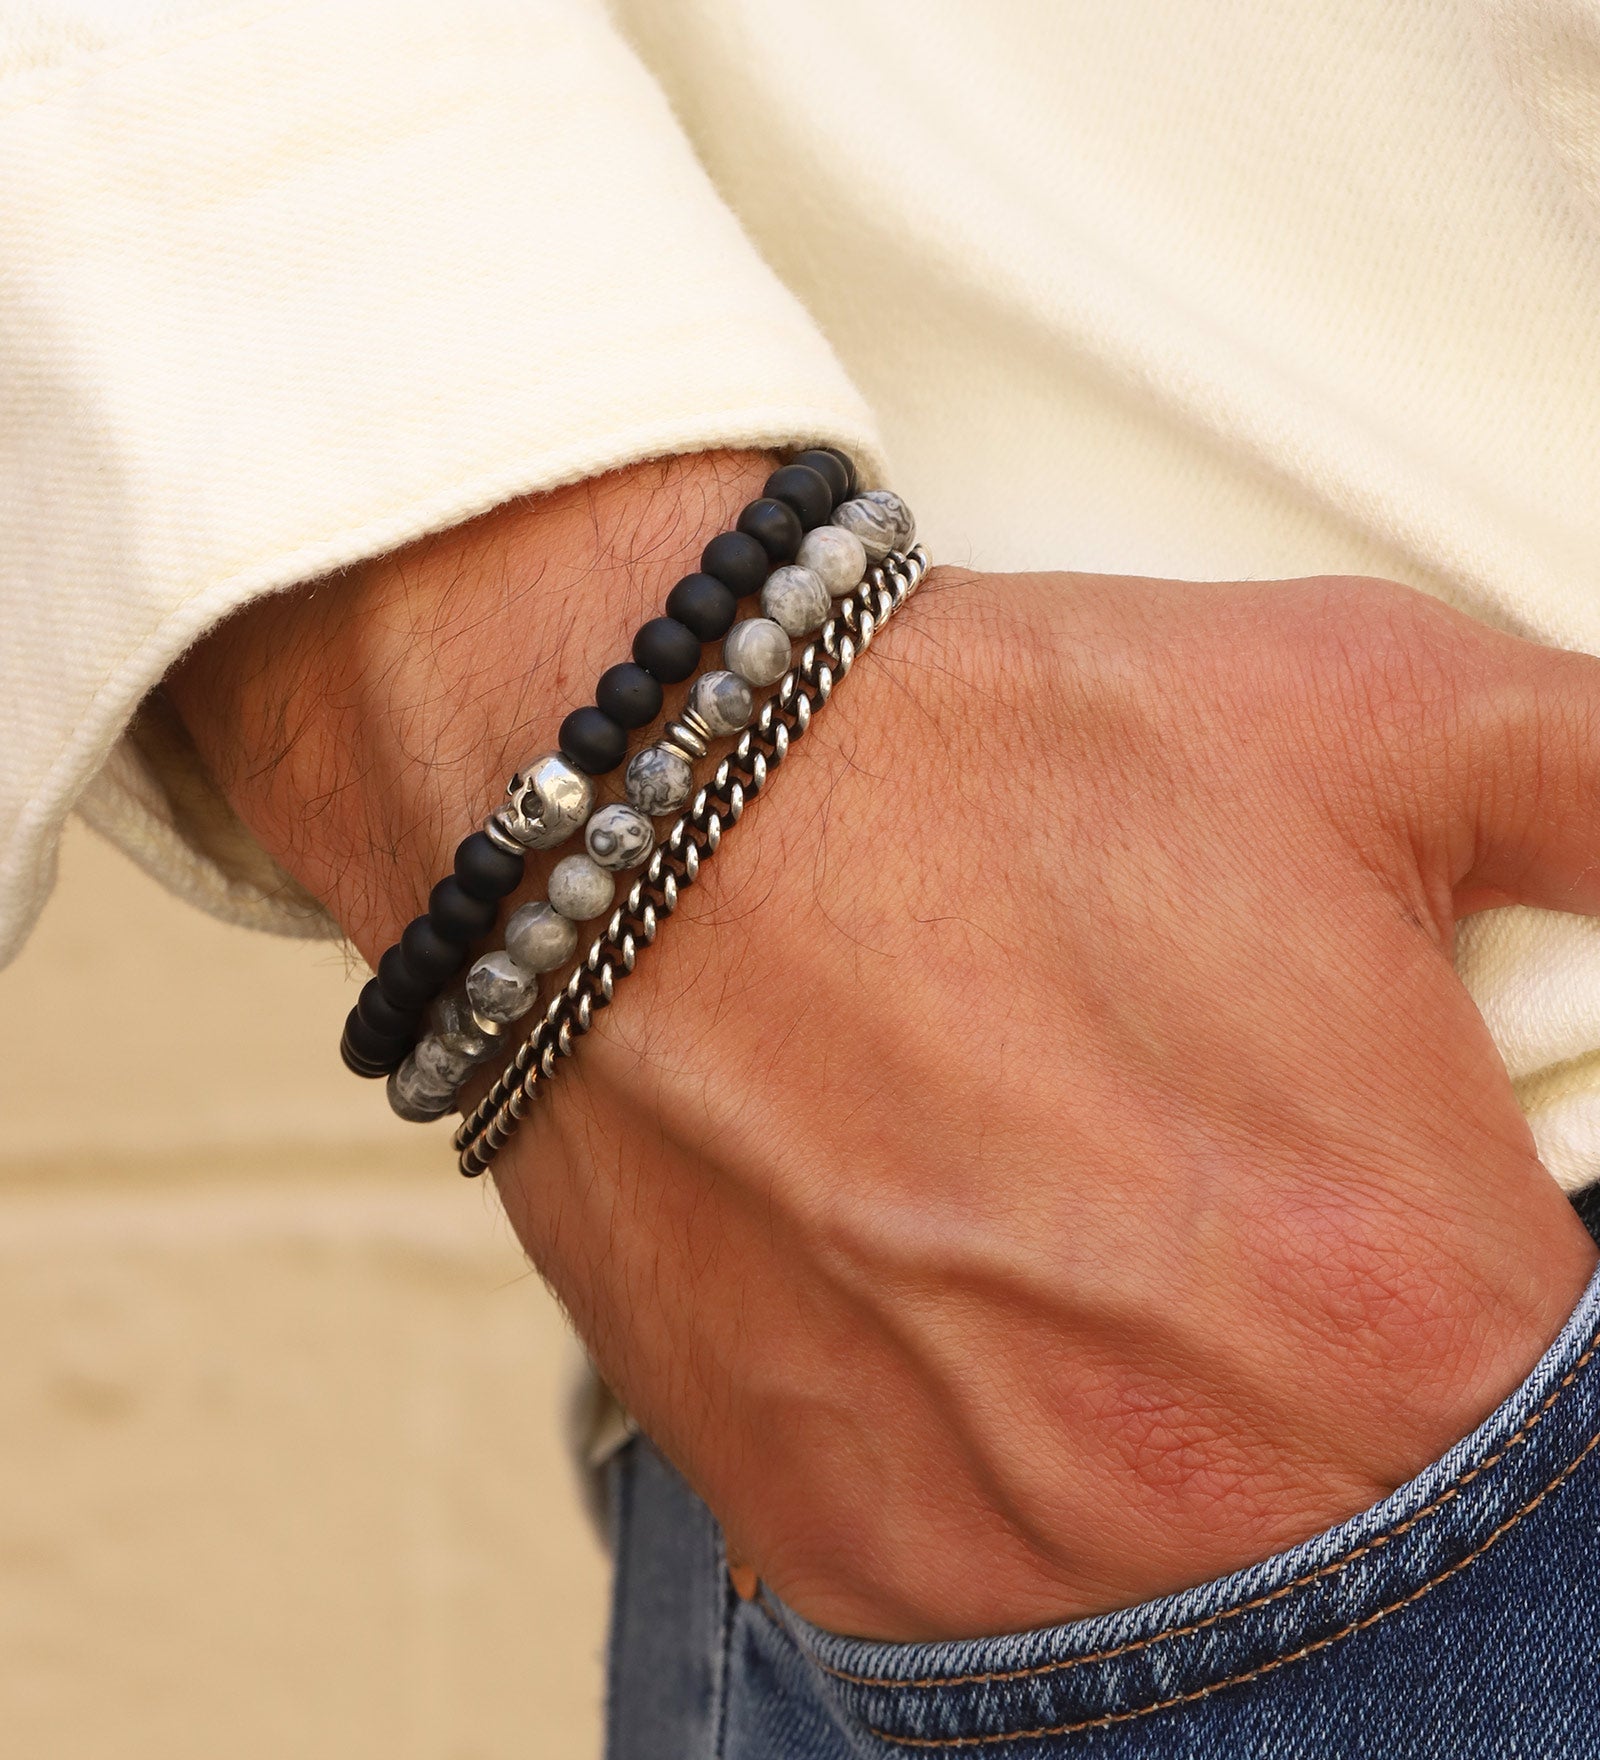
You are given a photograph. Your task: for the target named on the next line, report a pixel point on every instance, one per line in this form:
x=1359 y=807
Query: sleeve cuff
x=288 y=288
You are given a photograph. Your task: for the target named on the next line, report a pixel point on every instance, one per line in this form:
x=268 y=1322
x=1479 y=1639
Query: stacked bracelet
x=502 y=986
x=806 y=540
x=693 y=841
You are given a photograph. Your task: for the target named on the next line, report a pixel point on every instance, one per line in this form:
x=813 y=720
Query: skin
x=1050 y=1161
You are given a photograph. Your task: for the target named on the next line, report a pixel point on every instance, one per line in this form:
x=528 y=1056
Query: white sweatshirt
x=1147 y=286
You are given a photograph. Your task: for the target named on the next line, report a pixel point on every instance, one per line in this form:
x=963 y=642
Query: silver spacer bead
x=688 y=736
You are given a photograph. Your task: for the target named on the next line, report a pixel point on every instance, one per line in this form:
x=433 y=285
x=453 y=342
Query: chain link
x=695 y=837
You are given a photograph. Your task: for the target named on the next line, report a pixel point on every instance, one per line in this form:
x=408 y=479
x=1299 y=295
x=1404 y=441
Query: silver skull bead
x=549 y=800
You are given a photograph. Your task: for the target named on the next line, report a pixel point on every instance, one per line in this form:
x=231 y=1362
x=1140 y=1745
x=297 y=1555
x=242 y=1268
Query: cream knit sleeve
x=284 y=286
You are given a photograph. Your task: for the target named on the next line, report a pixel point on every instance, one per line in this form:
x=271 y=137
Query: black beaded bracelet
x=489 y=864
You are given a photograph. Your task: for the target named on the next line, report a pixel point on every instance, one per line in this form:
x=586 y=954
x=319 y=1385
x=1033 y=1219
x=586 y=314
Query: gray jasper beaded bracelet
x=808 y=505
x=694 y=839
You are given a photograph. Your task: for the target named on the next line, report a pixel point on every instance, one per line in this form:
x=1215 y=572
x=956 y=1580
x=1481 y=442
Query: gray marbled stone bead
x=438 y=1065
x=539 y=939
x=905 y=521
x=758 y=650
x=658 y=781
x=416 y=1099
x=458 y=1029
x=796 y=600
x=838 y=557
x=580 y=888
x=549 y=800
x=723 y=701
x=620 y=836
x=881 y=520
x=499 y=988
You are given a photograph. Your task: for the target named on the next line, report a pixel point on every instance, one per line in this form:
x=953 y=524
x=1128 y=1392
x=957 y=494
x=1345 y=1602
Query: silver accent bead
x=415 y=1099
x=688 y=736
x=580 y=888
x=880 y=519
x=550 y=799
x=539 y=939
x=758 y=649
x=796 y=600
x=836 y=555
x=499 y=989
x=458 y=1027
x=723 y=701
x=620 y=836
x=658 y=779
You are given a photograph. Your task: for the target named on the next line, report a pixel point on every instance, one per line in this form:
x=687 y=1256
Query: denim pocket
x=1459 y=1617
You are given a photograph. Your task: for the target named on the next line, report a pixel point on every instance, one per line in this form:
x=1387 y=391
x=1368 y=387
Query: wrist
x=363 y=725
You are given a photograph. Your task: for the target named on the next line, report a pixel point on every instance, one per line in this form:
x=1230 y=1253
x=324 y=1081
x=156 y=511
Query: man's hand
x=1050 y=1160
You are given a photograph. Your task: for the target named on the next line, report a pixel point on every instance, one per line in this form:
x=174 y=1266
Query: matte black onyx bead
x=667 y=649
x=849 y=465
x=456 y=914
x=702 y=603
x=805 y=490
x=401 y=985
x=590 y=739
x=358 y=1065
x=383 y=1050
x=775 y=526
x=381 y=1014
x=429 y=955
x=831 y=467
x=628 y=694
x=738 y=561
x=485 y=870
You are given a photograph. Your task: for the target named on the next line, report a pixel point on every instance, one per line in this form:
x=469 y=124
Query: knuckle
x=1398 y=652
x=1392 y=682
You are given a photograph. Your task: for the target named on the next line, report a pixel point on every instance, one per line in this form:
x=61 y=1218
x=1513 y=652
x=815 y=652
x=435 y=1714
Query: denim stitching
x=1332 y=1568
x=729 y=1611
x=1360 y=1625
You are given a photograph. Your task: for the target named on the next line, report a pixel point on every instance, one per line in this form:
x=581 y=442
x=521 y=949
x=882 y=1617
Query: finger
x=1473 y=756
x=1530 y=783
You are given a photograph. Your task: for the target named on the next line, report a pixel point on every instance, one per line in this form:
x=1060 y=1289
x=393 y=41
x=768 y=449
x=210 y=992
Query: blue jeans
x=1458 y=1619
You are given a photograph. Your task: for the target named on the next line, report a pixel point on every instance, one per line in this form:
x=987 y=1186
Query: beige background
x=280 y=1471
